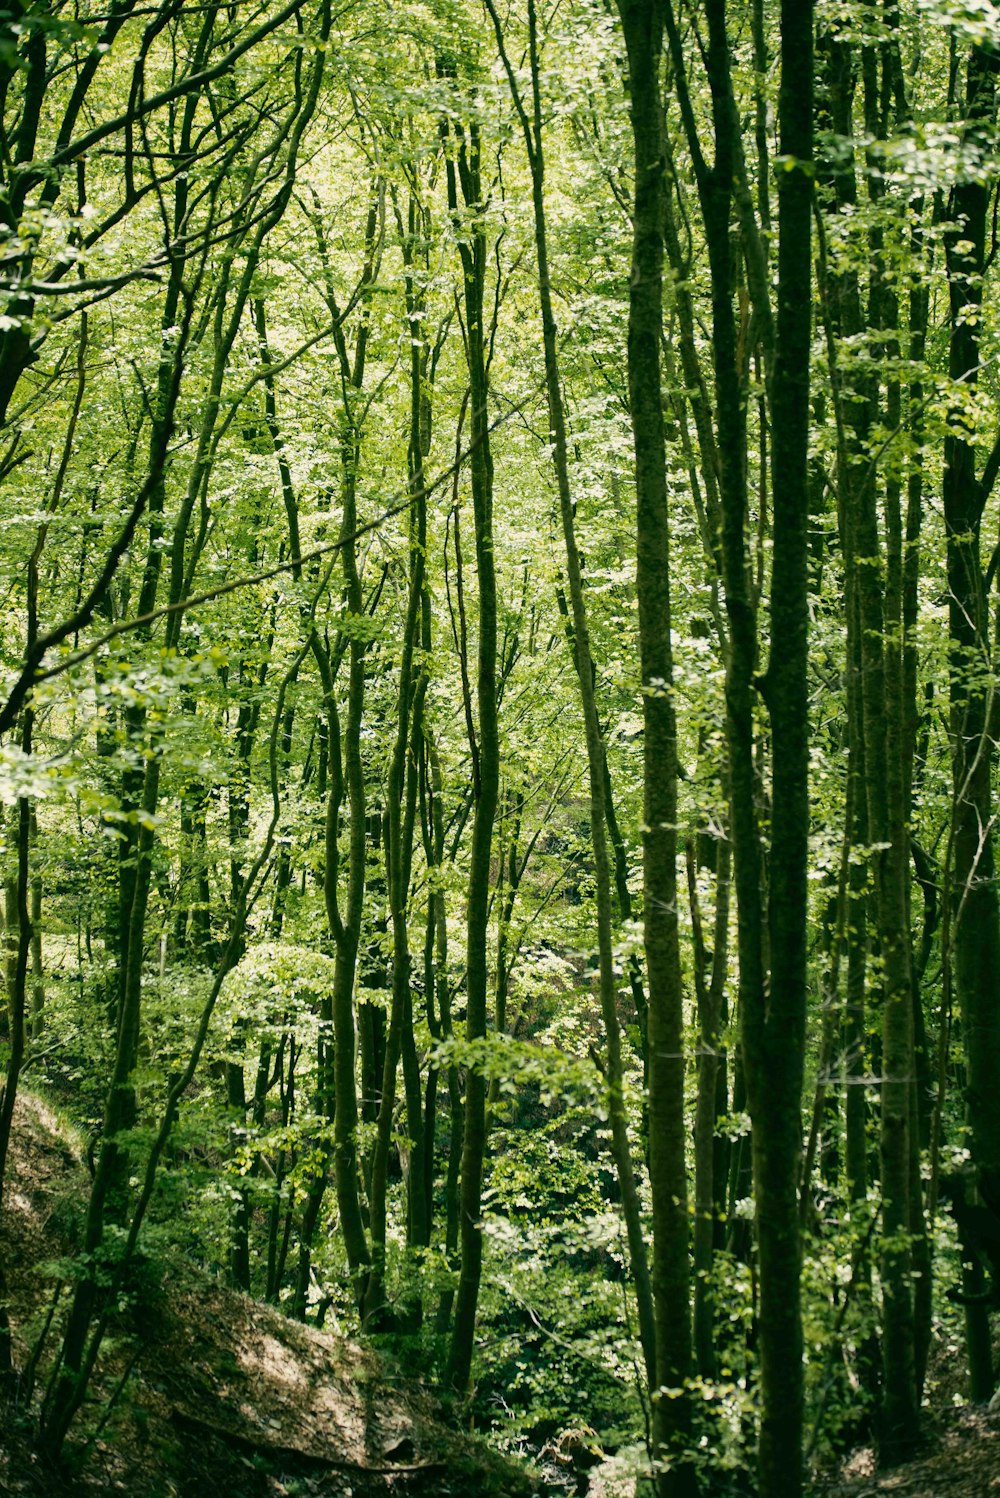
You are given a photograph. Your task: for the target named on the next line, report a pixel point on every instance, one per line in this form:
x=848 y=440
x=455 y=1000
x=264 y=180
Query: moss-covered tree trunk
x=973 y=710
x=642 y=23
x=774 y=1031
x=463 y=168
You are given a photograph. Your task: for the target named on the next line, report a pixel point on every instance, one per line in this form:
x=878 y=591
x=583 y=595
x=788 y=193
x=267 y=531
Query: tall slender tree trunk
x=774 y=1032
x=710 y=980
x=18 y=920
x=643 y=27
x=974 y=714
x=400 y=822
x=463 y=169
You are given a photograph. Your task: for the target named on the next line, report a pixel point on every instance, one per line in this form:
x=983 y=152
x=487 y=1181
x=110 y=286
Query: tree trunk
x=774 y=1032
x=643 y=27
x=973 y=712
x=466 y=170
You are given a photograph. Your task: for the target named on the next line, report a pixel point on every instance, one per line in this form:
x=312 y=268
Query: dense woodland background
x=499 y=712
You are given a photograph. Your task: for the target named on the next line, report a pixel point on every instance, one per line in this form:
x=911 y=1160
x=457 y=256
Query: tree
x=771 y=928
x=643 y=32
x=975 y=933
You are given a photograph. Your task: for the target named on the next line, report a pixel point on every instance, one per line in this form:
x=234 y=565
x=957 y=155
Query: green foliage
x=195 y=730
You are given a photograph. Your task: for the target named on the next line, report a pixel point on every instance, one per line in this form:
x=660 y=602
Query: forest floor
x=223 y=1397
x=959 y=1455
x=960 y=1459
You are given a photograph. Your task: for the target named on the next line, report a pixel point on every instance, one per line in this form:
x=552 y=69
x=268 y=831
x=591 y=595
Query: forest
x=500 y=528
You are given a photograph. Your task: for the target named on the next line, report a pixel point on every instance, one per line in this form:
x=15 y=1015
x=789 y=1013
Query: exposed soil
x=222 y=1395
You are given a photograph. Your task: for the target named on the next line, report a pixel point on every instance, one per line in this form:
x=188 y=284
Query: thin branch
x=30 y=676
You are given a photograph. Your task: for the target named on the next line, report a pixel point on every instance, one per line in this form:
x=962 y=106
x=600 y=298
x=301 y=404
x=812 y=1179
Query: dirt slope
x=225 y=1396
x=960 y=1459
